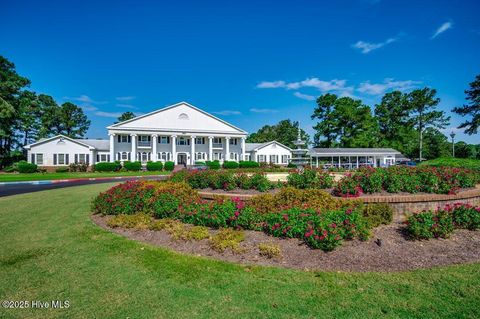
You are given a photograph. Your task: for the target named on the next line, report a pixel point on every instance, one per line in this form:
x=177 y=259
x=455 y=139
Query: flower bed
x=310 y=178
x=397 y=179
x=442 y=222
x=322 y=223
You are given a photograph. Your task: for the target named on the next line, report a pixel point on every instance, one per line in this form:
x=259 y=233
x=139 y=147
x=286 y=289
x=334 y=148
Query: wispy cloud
x=258 y=110
x=85 y=99
x=444 y=27
x=227 y=112
x=335 y=85
x=304 y=96
x=124 y=98
x=127 y=106
x=388 y=84
x=366 y=47
x=108 y=114
x=88 y=107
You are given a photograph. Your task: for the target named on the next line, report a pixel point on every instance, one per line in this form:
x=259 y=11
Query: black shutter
x=119 y=156
x=32 y=158
x=119 y=138
x=129 y=139
x=76 y=158
x=66 y=159
x=129 y=156
x=108 y=157
x=98 y=158
x=149 y=138
x=54 y=159
x=168 y=139
x=88 y=159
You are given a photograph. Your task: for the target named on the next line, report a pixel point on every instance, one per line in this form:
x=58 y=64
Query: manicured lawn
x=14 y=177
x=454 y=162
x=50 y=250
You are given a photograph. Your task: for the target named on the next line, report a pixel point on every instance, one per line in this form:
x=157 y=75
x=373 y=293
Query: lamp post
x=452 y=135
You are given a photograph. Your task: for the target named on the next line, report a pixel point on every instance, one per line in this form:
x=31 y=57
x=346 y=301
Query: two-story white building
x=181 y=133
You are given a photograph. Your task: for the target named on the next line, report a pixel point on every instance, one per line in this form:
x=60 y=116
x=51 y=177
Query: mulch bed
x=388 y=250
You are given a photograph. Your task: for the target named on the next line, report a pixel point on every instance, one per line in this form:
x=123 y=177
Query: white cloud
x=108 y=114
x=88 y=107
x=388 y=84
x=335 y=85
x=444 y=27
x=257 y=110
x=304 y=96
x=227 y=112
x=127 y=106
x=124 y=98
x=366 y=47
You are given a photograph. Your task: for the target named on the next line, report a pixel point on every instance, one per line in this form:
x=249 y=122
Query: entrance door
x=182 y=159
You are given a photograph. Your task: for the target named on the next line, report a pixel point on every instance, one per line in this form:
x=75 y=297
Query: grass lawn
x=454 y=162
x=15 y=177
x=50 y=250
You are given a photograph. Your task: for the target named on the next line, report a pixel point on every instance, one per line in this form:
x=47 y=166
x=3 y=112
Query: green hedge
x=132 y=166
x=154 y=166
x=230 y=165
x=107 y=167
x=213 y=164
x=25 y=167
x=169 y=166
x=248 y=164
x=62 y=169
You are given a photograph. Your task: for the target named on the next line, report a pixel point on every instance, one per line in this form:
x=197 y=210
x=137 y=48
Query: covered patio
x=349 y=158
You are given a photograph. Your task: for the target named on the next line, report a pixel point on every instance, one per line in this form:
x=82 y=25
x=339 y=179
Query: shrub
x=25 y=167
x=169 y=166
x=154 y=166
x=132 y=166
x=269 y=250
x=428 y=224
x=107 y=167
x=227 y=238
x=80 y=167
x=465 y=216
x=230 y=165
x=248 y=164
x=137 y=221
x=260 y=182
x=213 y=164
x=62 y=169
x=310 y=178
x=377 y=214
x=198 y=233
x=347 y=187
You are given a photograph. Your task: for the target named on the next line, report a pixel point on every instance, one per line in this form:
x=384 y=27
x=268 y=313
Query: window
x=247 y=157
x=217 y=140
x=233 y=141
x=200 y=156
x=183 y=141
x=124 y=139
x=61 y=159
x=39 y=159
x=80 y=158
x=274 y=159
x=165 y=140
x=217 y=156
x=200 y=140
x=124 y=156
x=164 y=156
x=144 y=156
x=144 y=138
x=234 y=156
x=103 y=158
x=262 y=158
x=285 y=159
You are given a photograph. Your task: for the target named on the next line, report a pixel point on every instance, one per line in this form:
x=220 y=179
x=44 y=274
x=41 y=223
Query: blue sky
x=249 y=62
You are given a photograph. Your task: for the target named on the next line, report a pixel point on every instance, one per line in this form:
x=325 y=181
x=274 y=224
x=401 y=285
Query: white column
x=317 y=161
x=154 y=147
x=210 y=148
x=243 y=149
x=357 y=161
x=192 y=149
x=112 y=151
x=227 y=148
x=92 y=158
x=133 y=156
x=174 y=148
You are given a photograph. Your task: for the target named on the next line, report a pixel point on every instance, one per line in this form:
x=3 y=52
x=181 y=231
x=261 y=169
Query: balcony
x=217 y=145
x=144 y=144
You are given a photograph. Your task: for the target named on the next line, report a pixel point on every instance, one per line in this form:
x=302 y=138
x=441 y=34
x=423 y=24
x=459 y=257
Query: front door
x=182 y=159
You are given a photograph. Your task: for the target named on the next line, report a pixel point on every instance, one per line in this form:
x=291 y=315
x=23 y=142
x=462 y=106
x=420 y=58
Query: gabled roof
x=120 y=124
x=256 y=146
x=99 y=145
x=44 y=140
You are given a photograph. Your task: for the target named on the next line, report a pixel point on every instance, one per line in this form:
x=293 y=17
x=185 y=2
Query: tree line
x=406 y=121
x=26 y=116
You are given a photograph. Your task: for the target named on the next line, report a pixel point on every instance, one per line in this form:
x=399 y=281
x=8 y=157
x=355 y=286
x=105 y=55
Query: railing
x=217 y=145
x=144 y=143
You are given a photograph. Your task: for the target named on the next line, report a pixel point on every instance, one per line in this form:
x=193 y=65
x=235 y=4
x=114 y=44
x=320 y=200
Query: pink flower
x=309 y=233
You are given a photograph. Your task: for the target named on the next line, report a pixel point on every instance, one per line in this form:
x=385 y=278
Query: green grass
x=16 y=177
x=50 y=250
x=454 y=162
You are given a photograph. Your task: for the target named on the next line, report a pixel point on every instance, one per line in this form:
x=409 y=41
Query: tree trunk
x=421 y=144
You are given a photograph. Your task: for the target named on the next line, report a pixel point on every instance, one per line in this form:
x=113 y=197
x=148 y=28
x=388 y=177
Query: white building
x=181 y=133
x=353 y=157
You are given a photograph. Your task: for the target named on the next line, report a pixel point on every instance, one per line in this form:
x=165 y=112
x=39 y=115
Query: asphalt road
x=14 y=188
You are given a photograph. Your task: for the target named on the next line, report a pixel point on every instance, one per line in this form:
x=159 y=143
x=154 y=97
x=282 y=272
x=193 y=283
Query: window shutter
x=76 y=158
x=129 y=156
x=168 y=139
x=119 y=138
x=149 y=138
x=32 y=158
x=129 y=139
x=119 y=157
x=54 y=159
x=87 y=159
x=108 y=157
x=149 y=156
x=98 y=158
x=66 y=159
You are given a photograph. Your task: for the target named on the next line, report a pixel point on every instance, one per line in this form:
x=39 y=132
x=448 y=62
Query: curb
x=55 y=181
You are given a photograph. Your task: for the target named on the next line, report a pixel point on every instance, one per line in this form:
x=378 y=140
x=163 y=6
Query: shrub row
x=310 y=178
x=397 y=179
x=441 y=223
x=132 y=166
x=223 y=180
x=320 y=227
